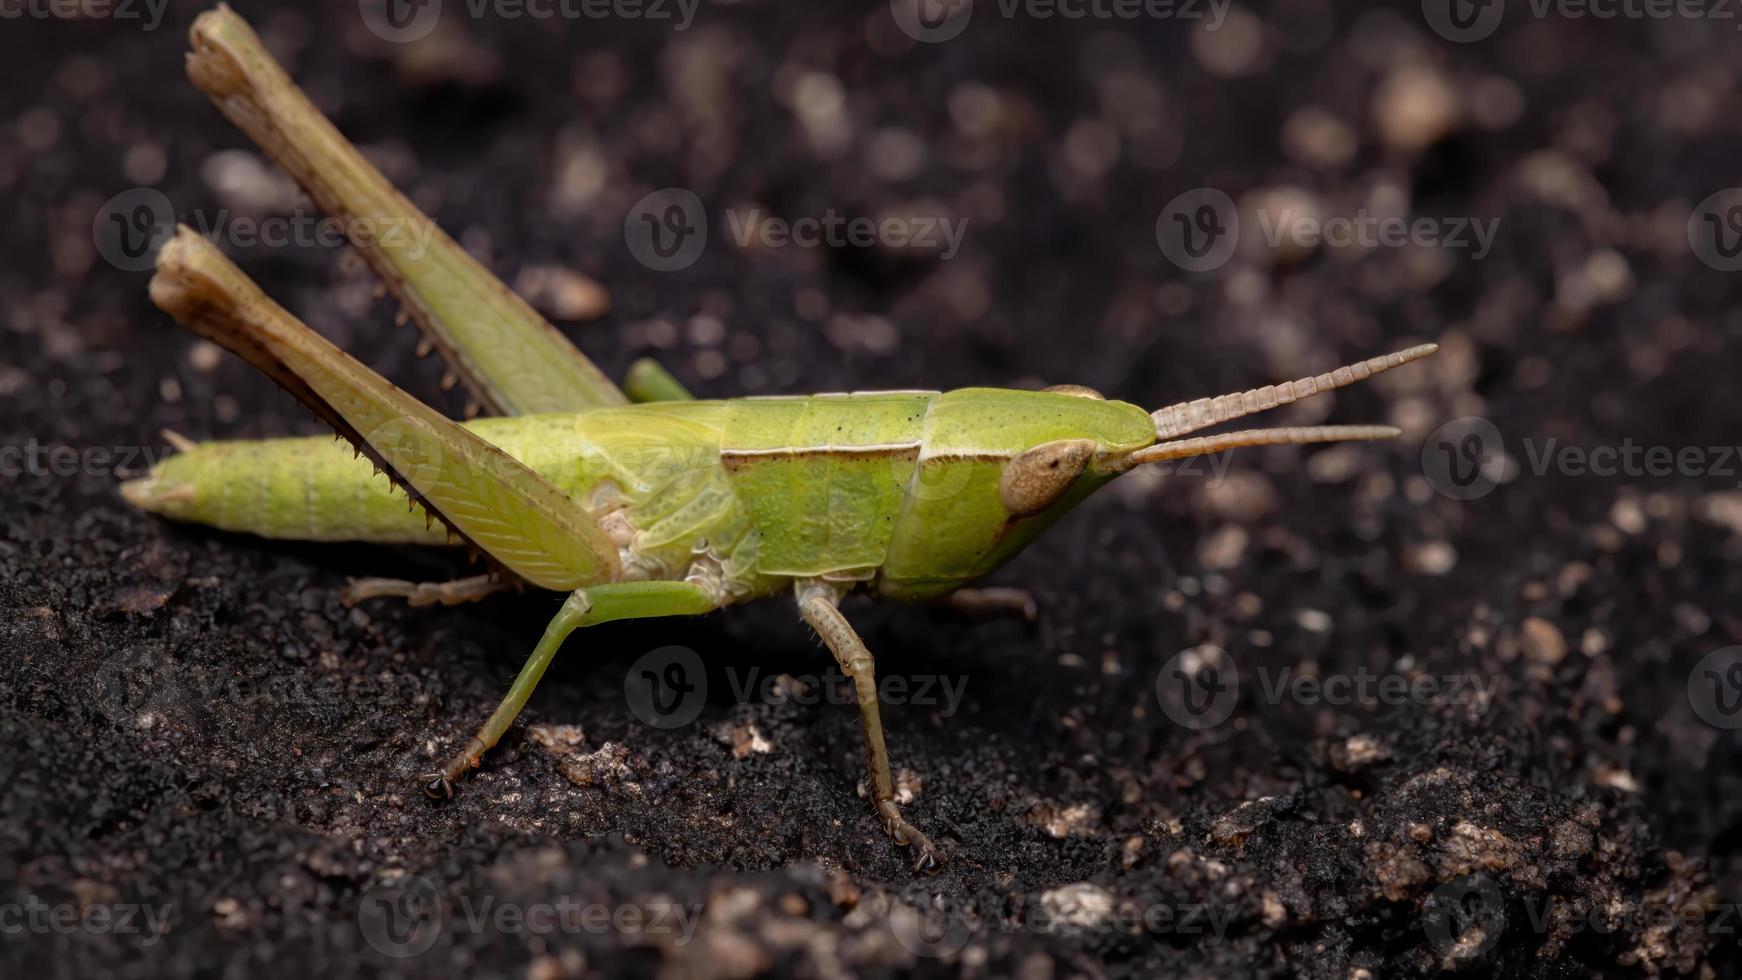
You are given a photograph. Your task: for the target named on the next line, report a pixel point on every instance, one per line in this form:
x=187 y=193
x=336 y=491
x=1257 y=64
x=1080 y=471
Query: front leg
x=817 y=602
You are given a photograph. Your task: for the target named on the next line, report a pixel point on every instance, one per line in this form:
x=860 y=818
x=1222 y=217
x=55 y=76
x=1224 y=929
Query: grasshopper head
x=1114 y=437
x=1103 y=435
x=999 y=466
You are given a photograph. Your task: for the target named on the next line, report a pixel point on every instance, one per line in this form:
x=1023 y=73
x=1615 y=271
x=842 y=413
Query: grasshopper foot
x=439 y=784
x=422 y=593
x=995 y=601
x=926 y=858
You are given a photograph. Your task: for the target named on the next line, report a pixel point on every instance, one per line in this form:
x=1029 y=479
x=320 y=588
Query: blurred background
x=1161 y=200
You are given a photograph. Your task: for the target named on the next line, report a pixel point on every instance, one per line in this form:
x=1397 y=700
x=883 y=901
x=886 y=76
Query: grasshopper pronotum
x=639 y=505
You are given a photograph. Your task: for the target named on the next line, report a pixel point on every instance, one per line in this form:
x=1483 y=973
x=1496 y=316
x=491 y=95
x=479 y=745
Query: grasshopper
x=639 y=504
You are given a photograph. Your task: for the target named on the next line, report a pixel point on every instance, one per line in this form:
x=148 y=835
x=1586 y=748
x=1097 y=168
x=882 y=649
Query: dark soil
x=194 y=725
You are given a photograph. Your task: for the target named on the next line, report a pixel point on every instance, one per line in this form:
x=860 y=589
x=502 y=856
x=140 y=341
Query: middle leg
x=994 y=600
x=452 y=593
x=817 y=603
x=585 y=607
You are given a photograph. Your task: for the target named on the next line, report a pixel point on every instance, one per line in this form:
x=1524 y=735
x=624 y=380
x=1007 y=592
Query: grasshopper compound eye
x=1037 y=478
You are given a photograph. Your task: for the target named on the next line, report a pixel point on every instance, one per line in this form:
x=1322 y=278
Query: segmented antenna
x=1290 y=436
x=1177 y=420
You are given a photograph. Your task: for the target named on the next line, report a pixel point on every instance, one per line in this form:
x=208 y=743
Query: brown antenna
x=1291 y=436
x=1177 y=420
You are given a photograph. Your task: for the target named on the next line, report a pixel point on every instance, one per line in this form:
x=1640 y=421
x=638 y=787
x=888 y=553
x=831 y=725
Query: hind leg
x=499 y=505
x=512 y=360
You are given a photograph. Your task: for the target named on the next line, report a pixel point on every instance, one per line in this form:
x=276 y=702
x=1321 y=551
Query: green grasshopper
x=639 y=505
